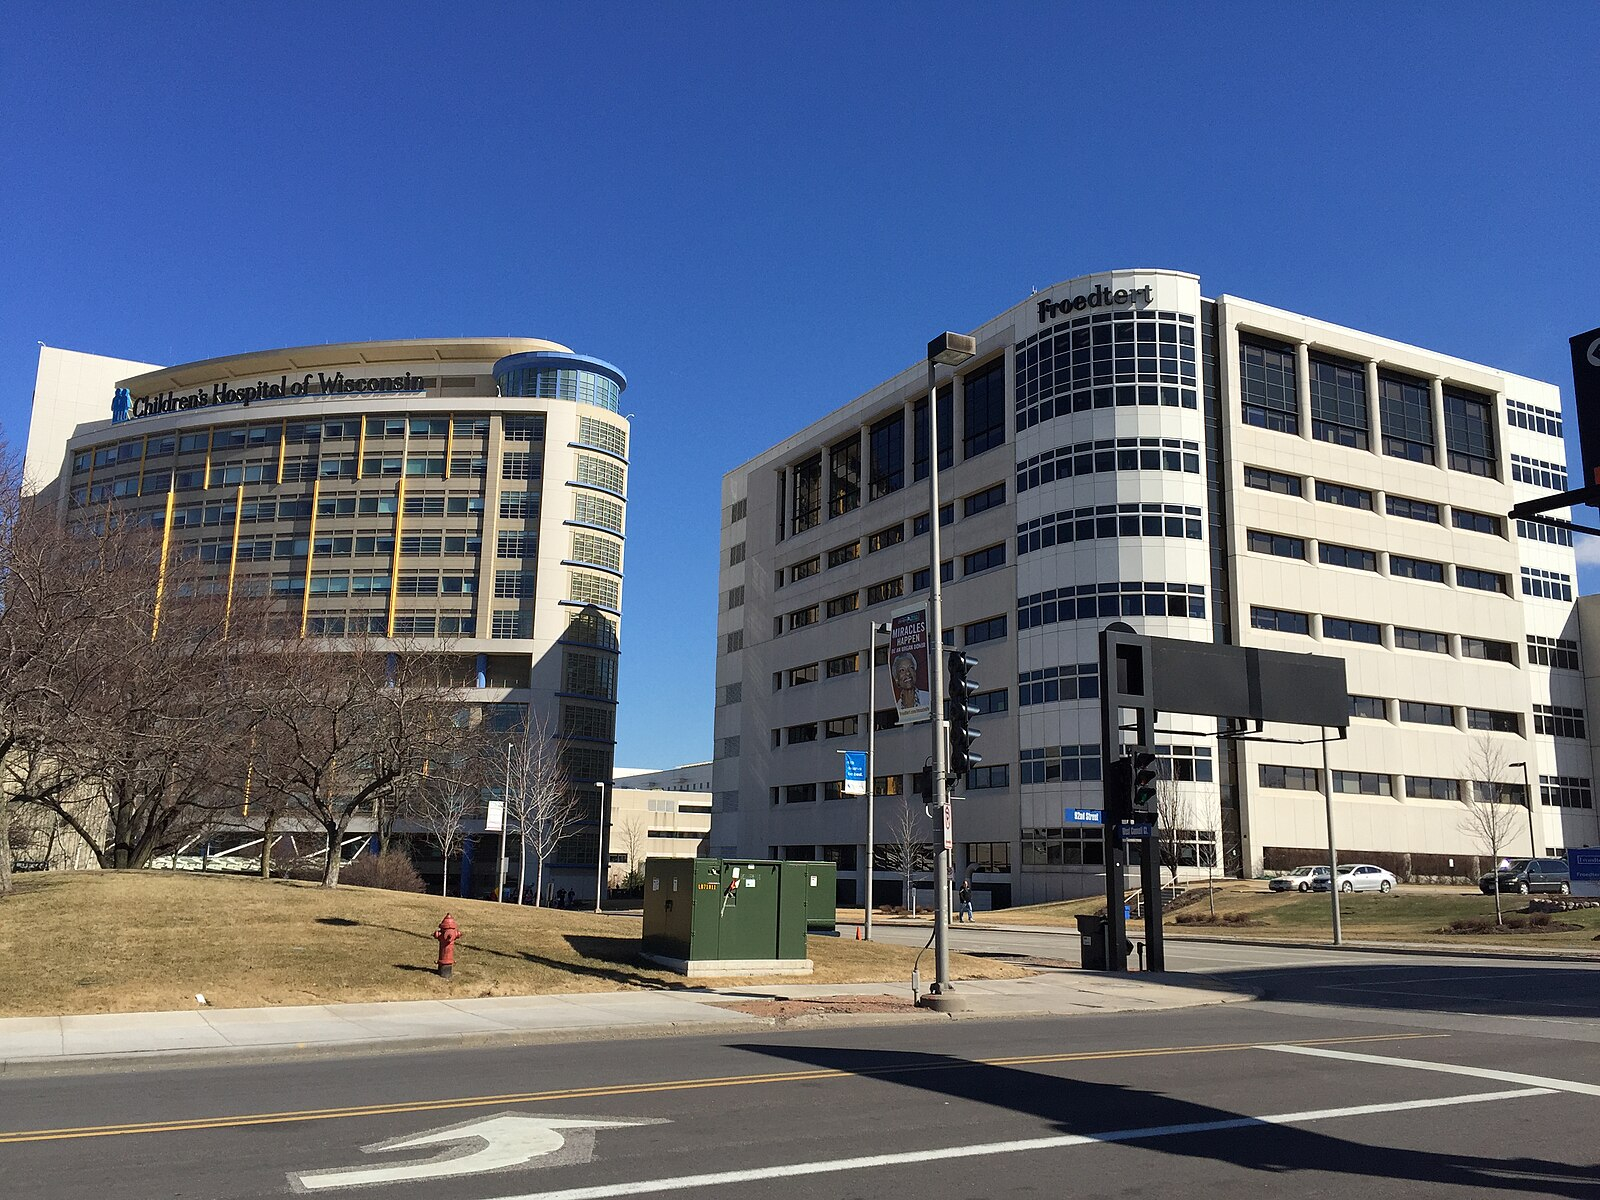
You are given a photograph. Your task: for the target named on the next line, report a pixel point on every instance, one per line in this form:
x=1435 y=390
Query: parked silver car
x=1298 y=880
x=1359 y=877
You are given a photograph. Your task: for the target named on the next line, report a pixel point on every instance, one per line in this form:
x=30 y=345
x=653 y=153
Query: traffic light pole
x=941 y=791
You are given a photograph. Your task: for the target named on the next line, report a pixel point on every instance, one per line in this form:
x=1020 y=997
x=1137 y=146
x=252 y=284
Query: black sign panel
x=1586 y=395
x=1246 y=681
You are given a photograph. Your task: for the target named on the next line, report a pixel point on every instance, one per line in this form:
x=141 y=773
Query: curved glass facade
x=561 y=377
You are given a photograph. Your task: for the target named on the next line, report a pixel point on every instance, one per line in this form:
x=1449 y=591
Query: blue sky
x=761 y=211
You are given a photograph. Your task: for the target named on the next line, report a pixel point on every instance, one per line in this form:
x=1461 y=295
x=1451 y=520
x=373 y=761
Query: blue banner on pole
x=855 y=772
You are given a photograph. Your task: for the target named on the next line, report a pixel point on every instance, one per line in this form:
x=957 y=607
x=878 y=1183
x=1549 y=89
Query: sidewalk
x=35 y=1044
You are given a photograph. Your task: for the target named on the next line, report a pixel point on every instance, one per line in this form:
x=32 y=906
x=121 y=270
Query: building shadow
x=1090 y=1109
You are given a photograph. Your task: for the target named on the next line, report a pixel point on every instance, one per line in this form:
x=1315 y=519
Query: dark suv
x=1526 y=875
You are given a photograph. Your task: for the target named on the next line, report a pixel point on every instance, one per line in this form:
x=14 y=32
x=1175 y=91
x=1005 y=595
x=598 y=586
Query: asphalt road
x=1288 y=1097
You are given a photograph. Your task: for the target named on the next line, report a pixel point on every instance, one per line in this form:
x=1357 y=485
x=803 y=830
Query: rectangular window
x=1488 y=649
x=884 y=538
x=1560 y=653
x=1548 y=585
x=1279 y=620
x=1412 y=510
x=983 y=409
x=1352 y=631
x=979 y=778
x=514 y=543
x=587 y=548
x=1493 y=720
x=594 y=589
x=1273 y=481
x=799 y=734
x=799 y=793
x=1482 y=581
x=1338 y=493
x=839 y=555
x=847 y=603
x=984 y=560
x=1406 y=416
x=887 y=450
x=735 y=596
x=1268 y=382
x=889 y=589
x=845 y=664
x=1353 y=557
x=1280 y=545
x=1415 y=568
x=841 y=727
x=1554 y=721
x=807 y=493
x=919 y=433
x=1421 y=639
x=509 y=624
x=597 y=433
x=800 y=675
x=804 y=569
x=1476 y=522
x=1339 y=403
x=988 y=630
x=991 y=702
x=598 y=472
x=1301 y=779
x=516 y=465
x=978 y=502
x=1418 y=712
x=596 y=510
x=1361 y=783
x=1469 y=433
x=802 y=617
x=1425 y=787
x=1369 y=708
x=844 y=477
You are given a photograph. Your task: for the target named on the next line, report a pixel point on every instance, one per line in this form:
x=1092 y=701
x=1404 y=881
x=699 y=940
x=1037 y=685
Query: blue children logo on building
x=121 y=404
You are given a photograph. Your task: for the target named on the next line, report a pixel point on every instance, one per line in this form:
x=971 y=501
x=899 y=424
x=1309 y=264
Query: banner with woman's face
x=908 y=664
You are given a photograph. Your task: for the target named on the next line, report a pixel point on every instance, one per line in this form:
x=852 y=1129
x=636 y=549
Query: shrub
x=393 y=872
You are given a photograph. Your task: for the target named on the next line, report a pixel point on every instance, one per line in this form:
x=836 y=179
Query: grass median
x=144 y=941
x=1409 y=914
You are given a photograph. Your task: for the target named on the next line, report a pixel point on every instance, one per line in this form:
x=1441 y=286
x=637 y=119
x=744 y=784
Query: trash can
x=1092 y=942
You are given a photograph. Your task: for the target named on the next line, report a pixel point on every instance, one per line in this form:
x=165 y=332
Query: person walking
x=966 y=900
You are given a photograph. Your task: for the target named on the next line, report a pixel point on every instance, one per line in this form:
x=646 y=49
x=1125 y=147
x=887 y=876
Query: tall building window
x=919 y=433
x=983 y=406
x=887 y=450
x=1406 y=414
x=1339 y=403
x=1267 y=374
x=808 y=493
x=844 y=477
x=1469 y=433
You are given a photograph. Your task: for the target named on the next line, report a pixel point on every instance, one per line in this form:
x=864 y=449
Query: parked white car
x=1359 y=877
x=1298 y=880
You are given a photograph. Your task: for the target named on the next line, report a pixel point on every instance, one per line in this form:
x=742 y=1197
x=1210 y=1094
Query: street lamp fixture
x=946 y=350
x=1527 y=796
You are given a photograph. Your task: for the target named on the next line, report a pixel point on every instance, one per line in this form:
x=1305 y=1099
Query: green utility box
x=714 y=916
x=821 y=884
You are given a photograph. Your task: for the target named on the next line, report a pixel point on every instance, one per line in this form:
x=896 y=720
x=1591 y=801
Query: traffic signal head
x=1145 y=802
x=959 y=711
x=924 y=784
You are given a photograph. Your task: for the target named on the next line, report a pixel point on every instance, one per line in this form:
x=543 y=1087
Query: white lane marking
x=1417 y=1064
x=643 y=1187
x=502 y=1142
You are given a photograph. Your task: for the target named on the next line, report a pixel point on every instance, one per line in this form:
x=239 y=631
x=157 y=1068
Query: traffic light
x=959 y=711
x=1144 y=785
x=1118 y=790
x=924 y=784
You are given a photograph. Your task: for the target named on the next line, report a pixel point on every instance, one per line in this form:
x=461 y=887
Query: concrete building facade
x=1123 y=448
x=469 y=491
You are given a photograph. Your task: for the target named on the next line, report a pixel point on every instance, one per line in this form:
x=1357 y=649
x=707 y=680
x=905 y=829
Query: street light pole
x=505 y=819
x=600 y=854
x=1527 y=796
x=948 y=349
x=874 y=630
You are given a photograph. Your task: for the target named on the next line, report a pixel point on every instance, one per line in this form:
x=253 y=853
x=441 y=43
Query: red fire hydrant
x=447 y=936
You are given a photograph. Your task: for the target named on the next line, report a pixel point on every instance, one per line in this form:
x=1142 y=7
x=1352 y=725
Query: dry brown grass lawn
x=141 y=941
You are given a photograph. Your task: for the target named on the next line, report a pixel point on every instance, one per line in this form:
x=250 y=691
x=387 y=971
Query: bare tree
x=351 y=724
x=1488 y=819
x=441 y=805
x=1177 y=815
x=634 y=834
x=910 y=850
x=540 y=799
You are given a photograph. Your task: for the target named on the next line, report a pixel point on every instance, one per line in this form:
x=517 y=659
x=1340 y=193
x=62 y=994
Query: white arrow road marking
x=645 y=1187
x=502 y=1142
x=1418 y=1064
